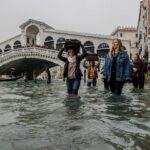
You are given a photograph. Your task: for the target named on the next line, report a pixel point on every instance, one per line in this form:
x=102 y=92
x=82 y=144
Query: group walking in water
x=116 y=71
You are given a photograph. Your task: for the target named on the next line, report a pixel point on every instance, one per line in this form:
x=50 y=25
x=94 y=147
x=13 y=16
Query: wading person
x=138 y=77
x=72 y=69
x=92 y=72
x=117 y=68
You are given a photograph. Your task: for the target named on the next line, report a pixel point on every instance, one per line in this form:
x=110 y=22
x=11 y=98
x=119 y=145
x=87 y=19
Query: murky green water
x=41 y=117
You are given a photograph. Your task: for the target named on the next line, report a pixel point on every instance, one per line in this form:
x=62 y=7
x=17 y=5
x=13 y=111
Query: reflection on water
x=42 y=117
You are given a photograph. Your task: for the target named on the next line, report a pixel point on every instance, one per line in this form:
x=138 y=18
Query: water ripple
x=42 y=117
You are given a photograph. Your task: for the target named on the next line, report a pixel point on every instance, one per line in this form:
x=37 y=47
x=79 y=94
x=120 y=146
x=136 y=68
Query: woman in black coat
x=72 y=69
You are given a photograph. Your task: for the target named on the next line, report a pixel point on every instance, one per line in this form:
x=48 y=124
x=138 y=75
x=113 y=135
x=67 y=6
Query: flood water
x=42 y=117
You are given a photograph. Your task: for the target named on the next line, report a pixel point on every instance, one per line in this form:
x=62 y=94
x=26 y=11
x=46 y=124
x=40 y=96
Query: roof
x=129 y=29
x=84 y=34
x=10 y=39
x=35 y=21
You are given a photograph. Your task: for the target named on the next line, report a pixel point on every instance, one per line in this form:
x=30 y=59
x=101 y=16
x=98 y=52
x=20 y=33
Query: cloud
x=93 y=16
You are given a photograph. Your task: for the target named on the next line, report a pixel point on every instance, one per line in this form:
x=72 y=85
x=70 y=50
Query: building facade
x=144 y=29
x=37 y=37
x=128 y=33
x=37 y=33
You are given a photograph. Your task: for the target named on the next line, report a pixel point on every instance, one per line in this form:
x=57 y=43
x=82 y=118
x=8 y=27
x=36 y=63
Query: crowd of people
x=116 y=71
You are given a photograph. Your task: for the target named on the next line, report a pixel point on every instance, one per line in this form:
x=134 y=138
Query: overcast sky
x=91 y=16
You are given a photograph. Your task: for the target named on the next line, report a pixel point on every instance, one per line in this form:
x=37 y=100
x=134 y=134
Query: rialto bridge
x=38 y=45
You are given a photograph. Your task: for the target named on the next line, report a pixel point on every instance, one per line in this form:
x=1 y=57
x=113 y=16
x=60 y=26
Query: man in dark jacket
x=138 y=77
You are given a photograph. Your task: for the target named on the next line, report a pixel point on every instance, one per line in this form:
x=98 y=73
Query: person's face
x=115 y=44
x=71 y=53
x=135 y=57
x=90 y=63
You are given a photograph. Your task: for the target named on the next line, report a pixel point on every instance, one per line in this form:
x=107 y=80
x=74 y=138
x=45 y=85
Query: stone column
x=48 y=75
x=25 y=76
x=34 y=76
x=41 y=34
x=23 y=38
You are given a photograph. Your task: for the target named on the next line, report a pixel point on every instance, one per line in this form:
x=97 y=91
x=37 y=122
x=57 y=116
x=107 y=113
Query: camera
x=72 y=44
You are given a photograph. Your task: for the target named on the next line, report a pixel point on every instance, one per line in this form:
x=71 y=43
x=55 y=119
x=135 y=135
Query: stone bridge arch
x=32 y=35
x=29 y=59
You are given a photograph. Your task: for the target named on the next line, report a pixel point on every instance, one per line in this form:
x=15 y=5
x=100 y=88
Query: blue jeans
x=73 y=86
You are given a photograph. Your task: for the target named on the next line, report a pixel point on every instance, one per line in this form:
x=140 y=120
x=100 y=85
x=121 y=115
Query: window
x=17 y=44
x=60 y=43
x=103 y=49
x=28 y=40
x=144 y=37
x=136 y=44
x=140 y=37
x=136 y=35
x=89 y=46
x=49 y=43
x=7 y=48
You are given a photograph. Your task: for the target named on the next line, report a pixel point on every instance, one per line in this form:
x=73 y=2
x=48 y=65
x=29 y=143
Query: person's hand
x=135 y=69
x=81 y=44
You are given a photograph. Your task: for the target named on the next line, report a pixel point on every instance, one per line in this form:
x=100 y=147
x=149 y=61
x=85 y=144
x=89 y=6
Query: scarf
x=72 y=59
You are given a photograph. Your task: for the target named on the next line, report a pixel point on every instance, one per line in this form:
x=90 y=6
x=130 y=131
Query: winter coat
x=123 y=67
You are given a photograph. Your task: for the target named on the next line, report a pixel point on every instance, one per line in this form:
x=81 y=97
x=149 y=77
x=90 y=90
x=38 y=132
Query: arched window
x=1 y=51
x=60 y=43
x=89 y=46
x=7 y=48
x=103 y=49
x=32 y=36
x=17 y=44
x=146 y=54
x=49 y=43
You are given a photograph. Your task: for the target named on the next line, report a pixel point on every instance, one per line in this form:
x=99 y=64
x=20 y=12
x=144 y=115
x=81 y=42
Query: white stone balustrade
x=30 y=52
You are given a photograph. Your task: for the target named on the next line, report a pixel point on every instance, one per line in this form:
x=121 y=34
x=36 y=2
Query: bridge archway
x=32 y=36
x=17 y=44
x=7 y=48
x=89 y=46
x=49 y=43
x=35 y=53
x=37 y=59
x=103 y=49
x=21 y=66
x=1 y=51
x=60 y=43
